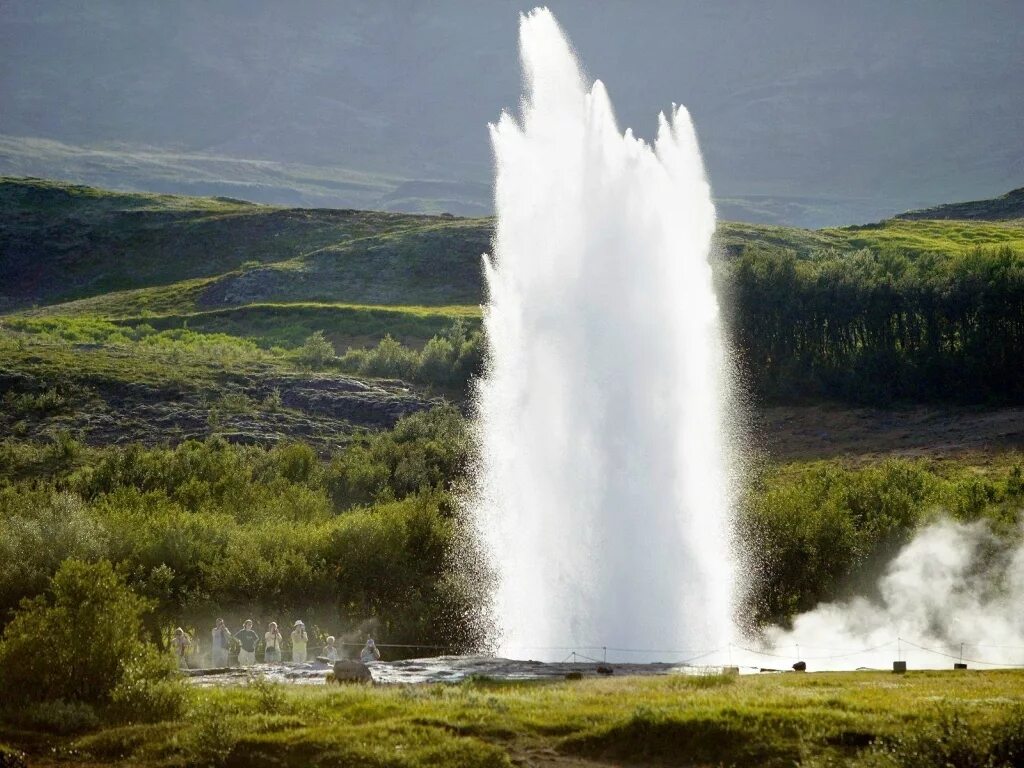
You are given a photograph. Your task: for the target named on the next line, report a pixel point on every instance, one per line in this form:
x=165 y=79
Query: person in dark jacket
x=247 y=639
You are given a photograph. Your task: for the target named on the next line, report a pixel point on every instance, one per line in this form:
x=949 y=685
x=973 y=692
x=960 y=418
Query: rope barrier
x=963 y=658
x=815 y=658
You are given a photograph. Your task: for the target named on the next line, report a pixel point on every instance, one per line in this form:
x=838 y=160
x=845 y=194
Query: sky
x=811 y=112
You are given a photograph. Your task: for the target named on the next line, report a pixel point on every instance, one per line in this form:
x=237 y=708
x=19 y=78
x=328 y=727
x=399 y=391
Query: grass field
x=856 y=719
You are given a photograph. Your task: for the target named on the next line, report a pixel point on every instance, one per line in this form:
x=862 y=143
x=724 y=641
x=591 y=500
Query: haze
x=810 y=113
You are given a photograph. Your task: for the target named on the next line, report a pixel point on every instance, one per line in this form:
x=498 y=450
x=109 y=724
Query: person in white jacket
x=221 y=644
x=330 y=649
x=299 y=639
x=181 y=644
x=370 y=652
x=272 y=644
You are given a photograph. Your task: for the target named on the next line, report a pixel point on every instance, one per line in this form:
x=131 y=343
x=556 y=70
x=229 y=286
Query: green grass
x=346 y=325
x=766 y=720
x=89 y=349
x=946 y=238
x=949 y=238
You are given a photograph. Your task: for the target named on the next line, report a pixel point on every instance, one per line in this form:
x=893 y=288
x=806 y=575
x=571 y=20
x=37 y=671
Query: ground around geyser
x=855 y=718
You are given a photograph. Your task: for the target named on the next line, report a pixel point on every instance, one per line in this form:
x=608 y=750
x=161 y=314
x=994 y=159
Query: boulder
x=346 y=671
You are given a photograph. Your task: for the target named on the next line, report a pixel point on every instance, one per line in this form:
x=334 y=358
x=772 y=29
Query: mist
x=953 y=592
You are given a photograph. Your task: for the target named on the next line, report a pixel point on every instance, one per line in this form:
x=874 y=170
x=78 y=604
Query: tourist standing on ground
x=370 y=652
x=330 y=651
x=272 y=638
x=247 y=639
x=181 y=643
x=299 y=638
x=221 y=644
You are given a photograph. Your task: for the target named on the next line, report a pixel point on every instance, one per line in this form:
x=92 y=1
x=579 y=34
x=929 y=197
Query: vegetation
x=1005 y=207
x=242 y=413
x=819 y=531
x=82 y=643
x=855 y=719
x=877 y=327
x=208 y=528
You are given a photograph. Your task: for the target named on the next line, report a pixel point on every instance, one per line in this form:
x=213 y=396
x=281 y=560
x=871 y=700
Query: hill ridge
x=1003 y=208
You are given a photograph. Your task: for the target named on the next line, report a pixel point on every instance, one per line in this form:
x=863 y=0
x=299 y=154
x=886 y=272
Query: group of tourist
x=248 y=640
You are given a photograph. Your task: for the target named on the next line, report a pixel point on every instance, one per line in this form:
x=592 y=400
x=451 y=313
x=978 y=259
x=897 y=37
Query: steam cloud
x=953 y=584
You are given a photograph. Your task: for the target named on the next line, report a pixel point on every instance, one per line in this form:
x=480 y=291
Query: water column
x=603 y=492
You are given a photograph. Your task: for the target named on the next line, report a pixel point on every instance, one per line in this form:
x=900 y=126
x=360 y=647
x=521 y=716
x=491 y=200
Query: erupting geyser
x=603 y=493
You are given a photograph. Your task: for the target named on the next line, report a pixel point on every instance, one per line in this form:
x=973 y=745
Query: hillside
x=61 y=241
x=134 y=317
x=1006 y=207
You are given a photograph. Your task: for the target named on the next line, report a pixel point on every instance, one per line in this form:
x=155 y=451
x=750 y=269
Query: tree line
x=878 y=326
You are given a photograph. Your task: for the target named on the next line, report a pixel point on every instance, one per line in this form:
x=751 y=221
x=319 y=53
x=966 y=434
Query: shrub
x=38 y=531
x=63 y=717
x=77 y=642
x=148 y=691
x=315 y=352
x=954 y=741
x=389 y=360
x=213 y=739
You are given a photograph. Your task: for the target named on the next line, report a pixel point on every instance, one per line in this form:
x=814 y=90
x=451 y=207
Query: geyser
x=603 y=494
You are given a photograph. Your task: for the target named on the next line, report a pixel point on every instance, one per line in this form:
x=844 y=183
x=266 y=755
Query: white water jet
x=603 y=493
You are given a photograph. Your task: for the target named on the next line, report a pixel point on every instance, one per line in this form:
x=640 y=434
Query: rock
x=351 y=672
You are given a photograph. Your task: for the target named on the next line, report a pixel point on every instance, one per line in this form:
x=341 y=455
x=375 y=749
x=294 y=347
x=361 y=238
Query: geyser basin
x=603 y=493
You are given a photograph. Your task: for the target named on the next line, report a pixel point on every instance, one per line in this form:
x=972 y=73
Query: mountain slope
x=1006 y=207
x=61 y=241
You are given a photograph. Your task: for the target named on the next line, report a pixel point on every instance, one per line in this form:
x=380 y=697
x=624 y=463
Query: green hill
x=61 y=241
x=1006 y=207
x=882 y=311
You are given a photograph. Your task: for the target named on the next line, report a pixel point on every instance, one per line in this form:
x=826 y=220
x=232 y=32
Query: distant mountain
x=810 y=112
x=1007 y=207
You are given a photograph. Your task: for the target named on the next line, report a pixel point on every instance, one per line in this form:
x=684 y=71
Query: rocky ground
x=322 y=409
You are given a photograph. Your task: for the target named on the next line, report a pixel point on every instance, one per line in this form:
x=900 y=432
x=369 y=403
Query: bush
x=956 y=742
x=149 y=690
x=63 y=717
x=38 y=531
x=315 y=352
x=821 y=531
x=79 y=642
x=449 y=360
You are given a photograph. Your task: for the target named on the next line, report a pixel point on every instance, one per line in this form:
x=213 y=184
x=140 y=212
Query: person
x=370 y=652
x=221 y=644
x=247 y=639
x=330 y=651
x=299 y=638
x=272 y=639
x=181 y=643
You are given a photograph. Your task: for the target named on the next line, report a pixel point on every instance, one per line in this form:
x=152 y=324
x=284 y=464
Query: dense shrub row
x=448 y=360
x=820 y=531
x=208 y=528
x=372 y=533
x=880 y=326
